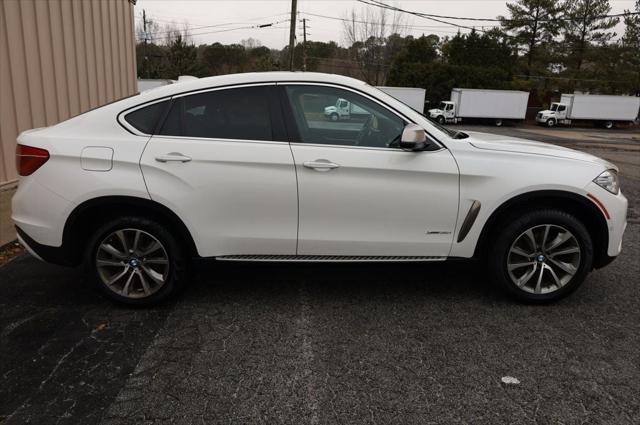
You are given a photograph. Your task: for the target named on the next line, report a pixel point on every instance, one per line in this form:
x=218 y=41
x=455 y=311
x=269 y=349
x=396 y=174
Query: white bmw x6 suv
x=245 y=167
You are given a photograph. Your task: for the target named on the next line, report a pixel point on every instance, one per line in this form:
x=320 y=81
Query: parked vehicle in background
x=343 y=109
x=603 y=111
x=244 y=167
x=496 y=106
x=410 y=96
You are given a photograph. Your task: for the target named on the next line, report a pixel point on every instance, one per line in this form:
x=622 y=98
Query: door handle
x=173 y=156
x=321 y=165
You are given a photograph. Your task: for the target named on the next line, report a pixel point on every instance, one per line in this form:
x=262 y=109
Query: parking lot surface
x=332 y=344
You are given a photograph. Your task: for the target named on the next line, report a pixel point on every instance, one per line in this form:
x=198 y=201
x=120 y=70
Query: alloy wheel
x=132 y=263
x=543 y=259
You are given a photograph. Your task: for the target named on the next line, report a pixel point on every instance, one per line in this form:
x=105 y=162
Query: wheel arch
x=87 y=215
x=579 y=206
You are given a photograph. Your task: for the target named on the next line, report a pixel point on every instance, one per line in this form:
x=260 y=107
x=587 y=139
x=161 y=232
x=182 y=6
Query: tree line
x=542 y=46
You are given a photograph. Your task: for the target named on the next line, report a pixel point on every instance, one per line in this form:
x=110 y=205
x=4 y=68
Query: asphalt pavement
x=331 y=344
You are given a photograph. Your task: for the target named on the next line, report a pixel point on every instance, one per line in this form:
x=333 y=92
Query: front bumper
x=616 y=206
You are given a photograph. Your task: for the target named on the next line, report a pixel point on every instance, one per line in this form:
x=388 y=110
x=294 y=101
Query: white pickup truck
x=604 y=111
x=343 y=109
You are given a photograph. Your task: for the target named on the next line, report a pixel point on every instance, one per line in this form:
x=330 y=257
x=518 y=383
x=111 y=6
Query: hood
x=330 y=108
x=513 y=144
x=435 y=111
x=546 y=112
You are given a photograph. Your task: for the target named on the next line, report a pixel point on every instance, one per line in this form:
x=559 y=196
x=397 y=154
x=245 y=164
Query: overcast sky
x=225 y=21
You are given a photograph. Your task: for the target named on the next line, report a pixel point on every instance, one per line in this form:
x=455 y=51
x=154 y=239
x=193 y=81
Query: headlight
x=609 y=181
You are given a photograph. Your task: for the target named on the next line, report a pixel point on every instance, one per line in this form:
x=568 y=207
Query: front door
x=221 y=162
x=359 y=194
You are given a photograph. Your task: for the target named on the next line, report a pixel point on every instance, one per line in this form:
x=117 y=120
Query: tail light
x=29 y=159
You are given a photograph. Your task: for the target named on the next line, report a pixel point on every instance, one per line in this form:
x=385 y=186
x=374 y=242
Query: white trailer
x=602 y=110
x=497 y=106
x=410 y=96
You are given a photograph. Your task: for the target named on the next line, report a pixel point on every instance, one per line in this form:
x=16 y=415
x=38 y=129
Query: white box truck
x=497 y=106
x=604 y=111
x=343 y=110
x=411 y=96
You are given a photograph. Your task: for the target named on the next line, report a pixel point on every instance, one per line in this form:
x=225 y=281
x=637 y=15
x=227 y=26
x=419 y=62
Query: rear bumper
x=46 y=253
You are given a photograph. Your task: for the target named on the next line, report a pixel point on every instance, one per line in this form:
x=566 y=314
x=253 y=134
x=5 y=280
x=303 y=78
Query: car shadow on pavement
x=461 y=280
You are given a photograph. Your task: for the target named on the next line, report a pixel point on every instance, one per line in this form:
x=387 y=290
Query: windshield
x=554 y=107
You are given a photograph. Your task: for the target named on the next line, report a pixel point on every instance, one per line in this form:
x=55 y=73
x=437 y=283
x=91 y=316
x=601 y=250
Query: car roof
x=247 y=78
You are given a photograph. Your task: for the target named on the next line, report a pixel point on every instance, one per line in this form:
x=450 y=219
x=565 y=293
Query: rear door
x=359 y=194
x=220 y=161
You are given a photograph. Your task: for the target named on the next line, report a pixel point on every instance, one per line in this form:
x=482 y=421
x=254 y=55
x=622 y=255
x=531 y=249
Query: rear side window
x=241 y=113
x=145 y=119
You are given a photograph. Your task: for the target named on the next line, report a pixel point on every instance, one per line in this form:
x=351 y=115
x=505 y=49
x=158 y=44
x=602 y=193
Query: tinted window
x=145 y=119
x=561 y=108
x=241 y=113
x=366 y=123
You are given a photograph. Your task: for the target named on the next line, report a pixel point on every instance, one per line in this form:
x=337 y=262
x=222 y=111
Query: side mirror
x=413 y=138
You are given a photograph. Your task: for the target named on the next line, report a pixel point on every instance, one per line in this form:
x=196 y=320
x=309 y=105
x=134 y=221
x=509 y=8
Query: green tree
x=182 y=58
x=532 y=23
x=585 y=27
x=631 y=49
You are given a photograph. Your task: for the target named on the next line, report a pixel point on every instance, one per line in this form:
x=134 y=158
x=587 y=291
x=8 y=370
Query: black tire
x=608 y=125
x=498 y=123
x=514 y=228
x=334 y=117
x=551 y=122
x=440 y=119
x=177 y=274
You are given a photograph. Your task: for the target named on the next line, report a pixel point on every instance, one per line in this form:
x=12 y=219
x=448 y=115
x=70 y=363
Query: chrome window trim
x=368 y=148
x=220 y=139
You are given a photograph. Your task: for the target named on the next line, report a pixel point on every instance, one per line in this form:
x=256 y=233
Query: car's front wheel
x=541 y=256
x=135 y=260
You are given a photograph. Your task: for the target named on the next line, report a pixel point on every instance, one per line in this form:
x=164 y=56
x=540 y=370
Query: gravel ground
x=330 y=344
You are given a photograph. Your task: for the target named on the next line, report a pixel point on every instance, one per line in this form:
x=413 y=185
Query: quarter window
x=332 y=116
x=145 y=119
x=241 y=113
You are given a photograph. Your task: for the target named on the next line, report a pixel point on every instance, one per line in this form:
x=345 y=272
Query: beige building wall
x=59 y=58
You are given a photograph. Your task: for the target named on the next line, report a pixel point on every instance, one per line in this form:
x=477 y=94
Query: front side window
x=561 y=108
x=240 y=113
x=366 y=123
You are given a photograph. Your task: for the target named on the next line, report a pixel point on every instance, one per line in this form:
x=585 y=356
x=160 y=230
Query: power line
x=372 y=23
x=421 y=15
x=378 y=3
x=262 y=26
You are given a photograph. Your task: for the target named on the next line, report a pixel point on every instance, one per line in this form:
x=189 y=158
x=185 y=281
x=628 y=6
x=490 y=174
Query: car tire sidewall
x=440 y=120
x=515 y=228
x=551 y=123
x=334 y=117
x=178 y=267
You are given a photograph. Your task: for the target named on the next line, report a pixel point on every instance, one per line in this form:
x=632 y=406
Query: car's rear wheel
x=542 y=256
x=135 y=260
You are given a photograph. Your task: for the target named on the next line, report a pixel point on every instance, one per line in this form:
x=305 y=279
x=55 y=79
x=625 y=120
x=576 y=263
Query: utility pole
x=145 y=63
x=304 y=44
x=292 y=32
